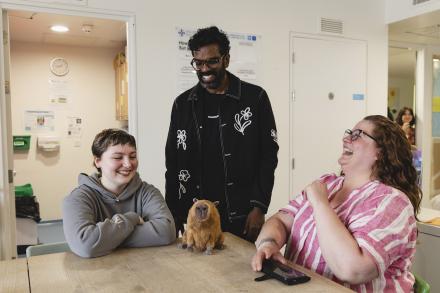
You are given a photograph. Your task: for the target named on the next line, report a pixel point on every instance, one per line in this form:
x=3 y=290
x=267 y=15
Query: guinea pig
x=203 y=230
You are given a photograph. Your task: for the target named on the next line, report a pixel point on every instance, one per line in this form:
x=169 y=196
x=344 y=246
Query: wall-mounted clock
x=59 y=66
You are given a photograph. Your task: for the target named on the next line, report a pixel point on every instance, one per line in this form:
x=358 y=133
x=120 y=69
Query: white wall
x=91 y=96
x=363 y=20
x=156 y=53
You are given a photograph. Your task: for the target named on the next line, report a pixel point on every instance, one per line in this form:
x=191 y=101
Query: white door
x=7 y=194
x=328 y=84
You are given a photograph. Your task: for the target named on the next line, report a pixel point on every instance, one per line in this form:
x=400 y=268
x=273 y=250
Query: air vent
x=331 y=26
x=415 y=2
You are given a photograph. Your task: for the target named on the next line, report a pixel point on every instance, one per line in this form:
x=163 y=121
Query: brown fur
x=203 y=230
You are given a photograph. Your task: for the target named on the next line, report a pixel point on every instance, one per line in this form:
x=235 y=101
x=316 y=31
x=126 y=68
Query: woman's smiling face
x=118 y=166
x=359 y=151
x=407 y=117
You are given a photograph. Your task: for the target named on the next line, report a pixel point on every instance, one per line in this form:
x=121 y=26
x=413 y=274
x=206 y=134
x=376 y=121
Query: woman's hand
x=267 y=249
x=316 y=192
x=272 y=237
x=406 y=127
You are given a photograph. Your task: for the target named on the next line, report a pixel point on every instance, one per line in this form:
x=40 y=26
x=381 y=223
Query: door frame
x=7 y=202
x=7 y=234
x=423 y=96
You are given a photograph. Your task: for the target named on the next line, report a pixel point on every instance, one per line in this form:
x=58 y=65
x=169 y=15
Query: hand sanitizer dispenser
x=48 y=143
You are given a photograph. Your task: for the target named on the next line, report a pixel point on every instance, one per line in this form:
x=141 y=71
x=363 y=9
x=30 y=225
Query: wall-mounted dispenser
x=21 y=142
x=48 y=143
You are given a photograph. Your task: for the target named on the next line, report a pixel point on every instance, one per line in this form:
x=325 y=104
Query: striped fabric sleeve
x=294 y=205
x=383 y=227
x=328 y=178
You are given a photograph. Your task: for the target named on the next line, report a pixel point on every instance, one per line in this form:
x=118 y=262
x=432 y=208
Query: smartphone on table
x=283 y=273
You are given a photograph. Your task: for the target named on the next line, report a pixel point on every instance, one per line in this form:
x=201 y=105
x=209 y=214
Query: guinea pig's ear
x=195 y=199
x=216 y=203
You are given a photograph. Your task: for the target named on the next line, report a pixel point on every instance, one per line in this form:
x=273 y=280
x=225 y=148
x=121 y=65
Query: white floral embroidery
x=181 y=139
x=245 y=115
x=183 y=176
x=274 y=135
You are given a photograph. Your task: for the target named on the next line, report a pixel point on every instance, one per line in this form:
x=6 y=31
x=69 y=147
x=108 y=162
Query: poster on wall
x=59 y=91
x=75 y=129
x=39 y=121
x=243 y=62
x=393 y=97
x=436 y=99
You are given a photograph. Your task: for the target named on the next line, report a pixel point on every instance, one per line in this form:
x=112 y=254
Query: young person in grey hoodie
x=114 y=207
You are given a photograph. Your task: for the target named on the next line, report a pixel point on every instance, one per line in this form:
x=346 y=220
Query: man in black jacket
x=222 y=142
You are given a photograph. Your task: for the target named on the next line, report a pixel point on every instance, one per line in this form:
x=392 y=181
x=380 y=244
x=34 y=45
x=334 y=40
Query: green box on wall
x=21 y=142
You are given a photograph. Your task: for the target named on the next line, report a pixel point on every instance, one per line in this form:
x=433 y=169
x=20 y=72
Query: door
x=328 y=87
x=7 y=194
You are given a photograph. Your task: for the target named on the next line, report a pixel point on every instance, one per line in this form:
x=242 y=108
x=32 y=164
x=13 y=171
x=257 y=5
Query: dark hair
x=402 y=112
x=394 y=166
x=110 y=137
x=208 y=36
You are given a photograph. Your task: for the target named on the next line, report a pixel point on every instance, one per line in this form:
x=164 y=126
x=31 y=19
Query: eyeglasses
x=197 y=64
x=355 y=134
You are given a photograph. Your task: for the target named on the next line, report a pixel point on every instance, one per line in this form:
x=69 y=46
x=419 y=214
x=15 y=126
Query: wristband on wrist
x=266 y=240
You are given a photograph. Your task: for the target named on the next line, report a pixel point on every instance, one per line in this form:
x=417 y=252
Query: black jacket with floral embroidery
x=248 y=138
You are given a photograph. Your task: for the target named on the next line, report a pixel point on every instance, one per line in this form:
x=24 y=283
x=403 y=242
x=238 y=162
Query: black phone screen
x=284 y=273
x=287 y=272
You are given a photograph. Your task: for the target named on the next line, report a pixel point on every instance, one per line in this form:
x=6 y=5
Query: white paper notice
x=59 y=91
x=39 y=121
x=243 y=61
x=74 y=127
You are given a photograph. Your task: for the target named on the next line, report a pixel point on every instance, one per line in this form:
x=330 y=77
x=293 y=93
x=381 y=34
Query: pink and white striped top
x=381 y=220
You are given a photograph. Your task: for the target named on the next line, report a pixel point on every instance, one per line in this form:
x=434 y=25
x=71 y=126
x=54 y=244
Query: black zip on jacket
x=248 y=138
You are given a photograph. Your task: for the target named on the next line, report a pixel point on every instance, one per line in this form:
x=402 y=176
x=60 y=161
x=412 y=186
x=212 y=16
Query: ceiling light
x=59 y=28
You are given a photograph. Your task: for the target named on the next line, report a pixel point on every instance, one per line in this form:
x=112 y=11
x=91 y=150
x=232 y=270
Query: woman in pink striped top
x=358 y=229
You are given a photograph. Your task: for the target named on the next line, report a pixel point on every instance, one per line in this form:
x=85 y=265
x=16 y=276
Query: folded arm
x=89 y=238
x=158 y=227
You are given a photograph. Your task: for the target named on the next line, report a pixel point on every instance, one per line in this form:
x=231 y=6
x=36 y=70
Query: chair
x=420 y=286
x=47 y=248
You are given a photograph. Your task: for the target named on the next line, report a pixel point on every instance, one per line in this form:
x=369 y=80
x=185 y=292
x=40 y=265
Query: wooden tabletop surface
x=14 y=276
x=162 y=269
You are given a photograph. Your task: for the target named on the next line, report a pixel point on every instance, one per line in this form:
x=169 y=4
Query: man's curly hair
x=394 y=166
x=208 y=36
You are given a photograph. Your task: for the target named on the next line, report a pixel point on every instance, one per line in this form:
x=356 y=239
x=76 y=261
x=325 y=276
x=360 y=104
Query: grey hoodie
x=95 y=221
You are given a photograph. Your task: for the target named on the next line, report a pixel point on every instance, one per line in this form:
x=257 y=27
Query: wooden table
x=162 y=269
x=14 y=276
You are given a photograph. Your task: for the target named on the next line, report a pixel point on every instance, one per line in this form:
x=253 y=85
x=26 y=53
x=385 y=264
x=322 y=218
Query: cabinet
x=26 y=231
x=427 y=259
x=121 y=86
